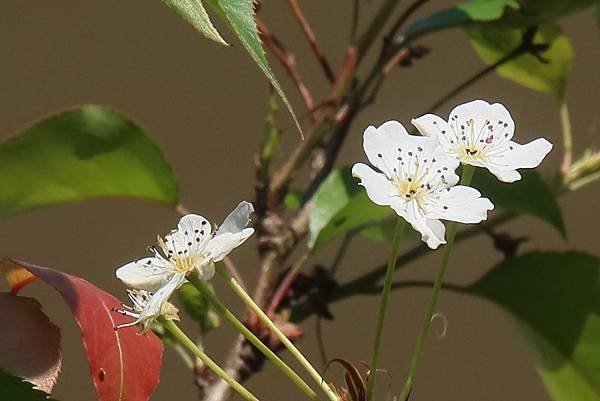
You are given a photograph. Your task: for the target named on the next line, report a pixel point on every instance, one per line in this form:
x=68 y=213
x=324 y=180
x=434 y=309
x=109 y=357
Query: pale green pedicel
x=467 y=175
x=385 y=293
x=270 y=355
x=235 y=286
x=212 y=365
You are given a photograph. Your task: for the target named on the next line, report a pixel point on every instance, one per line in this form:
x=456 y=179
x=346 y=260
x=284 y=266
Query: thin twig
x=286 y=283
x=368 y=38
x=320 y=342
x=331 y=117
x=287 y=59
x=410 y=10
x=312 y=40
x=233 y=271
x=476 y=77
x=355 y=14
x=181 y=210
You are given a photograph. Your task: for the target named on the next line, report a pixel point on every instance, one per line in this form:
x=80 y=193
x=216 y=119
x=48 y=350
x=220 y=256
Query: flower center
x=187 y=263
x=470 y=152
x=409 y=188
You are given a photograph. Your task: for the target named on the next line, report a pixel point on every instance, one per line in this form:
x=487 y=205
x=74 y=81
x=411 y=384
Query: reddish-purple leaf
x=124 y=365
x=30 y=346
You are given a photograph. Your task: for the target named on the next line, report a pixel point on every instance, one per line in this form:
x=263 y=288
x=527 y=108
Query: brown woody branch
x=312 y=40
x=288 y=60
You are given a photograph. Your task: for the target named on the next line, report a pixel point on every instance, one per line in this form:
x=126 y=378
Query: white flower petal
x=381 y=145
x=431 y=125
x=192 y=233
x=480 y=112
x=238 y=219
x=504 y=175
x=434 y=126
x=145 y=274
x=158 y=300
x=513 y=156
x=432 y=231
x=220 y=245
x=461 y=204
x=206 y=272
x=379 y=189
x=153 y=307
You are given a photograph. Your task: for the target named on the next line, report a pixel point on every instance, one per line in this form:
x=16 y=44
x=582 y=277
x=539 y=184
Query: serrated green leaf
x=79 y=154
x=239 y=14
x=340 y=205
x=550 y=75
x=194 y=12
x=556 y=298
x=198 y=307
x=531 y=195
x=13 y=388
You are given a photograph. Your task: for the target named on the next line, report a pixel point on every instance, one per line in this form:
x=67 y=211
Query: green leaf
x=340 y=205
x=239 y=14
x=556 y=298
x=193 y=12
x=487 y=10
x=464 y=14
x=79 y=154
x=13 y=388
x=549 y=10
x=548 y=75
x=198 y=307
x=531 y=195
x=384 y=231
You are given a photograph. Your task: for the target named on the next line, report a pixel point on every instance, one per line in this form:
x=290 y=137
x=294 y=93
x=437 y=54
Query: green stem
x=467 y=175
x=212 y=365
x=567 y=135
x=237 y=288
x=385 y=294
x=266 y=351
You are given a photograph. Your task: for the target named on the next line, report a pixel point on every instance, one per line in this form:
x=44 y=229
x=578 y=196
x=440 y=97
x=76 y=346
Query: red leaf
x=30 y=346
x=124 y=365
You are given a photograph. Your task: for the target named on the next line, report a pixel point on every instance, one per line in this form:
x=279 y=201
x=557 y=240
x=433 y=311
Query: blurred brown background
x=204 y=104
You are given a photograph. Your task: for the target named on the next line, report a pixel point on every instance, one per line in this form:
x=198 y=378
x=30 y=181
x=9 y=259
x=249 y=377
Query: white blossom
x=417 y=179
x=193 y=246
x=146 y=308
x=480 y=134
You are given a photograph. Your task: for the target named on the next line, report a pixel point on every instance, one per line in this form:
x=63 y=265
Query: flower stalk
x=207 y=292
x=262 y=316
x=467 y=175
x=385 y=293
x=170 y=326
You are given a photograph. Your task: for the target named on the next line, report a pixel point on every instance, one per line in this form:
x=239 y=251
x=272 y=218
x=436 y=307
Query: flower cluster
x=192 y=247
x=416 y=175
